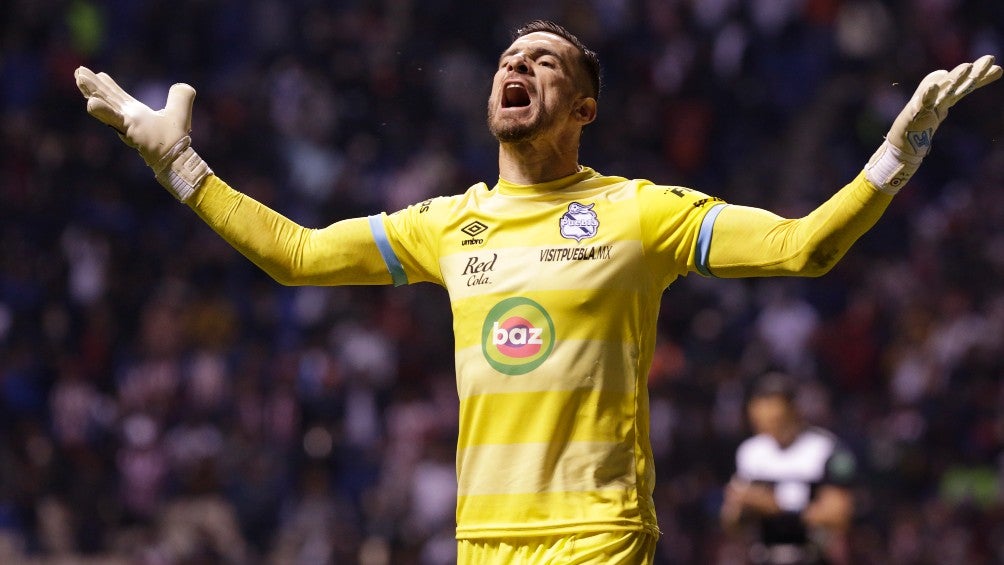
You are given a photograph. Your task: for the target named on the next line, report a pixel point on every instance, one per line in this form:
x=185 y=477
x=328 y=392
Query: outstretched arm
x=753 y=242
x=342 y=253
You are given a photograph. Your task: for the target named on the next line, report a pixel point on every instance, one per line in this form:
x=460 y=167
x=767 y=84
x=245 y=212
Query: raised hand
x=161 y=136
x=909 y=138
x=912 y=130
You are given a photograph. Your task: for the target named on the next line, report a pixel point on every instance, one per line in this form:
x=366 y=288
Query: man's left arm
x=753 y=242
x=832 y=508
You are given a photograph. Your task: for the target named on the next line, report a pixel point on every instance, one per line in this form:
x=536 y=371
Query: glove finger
x=983 y=65
x=929 y=97
x=953 y=85
x=927 y=90
x=106 y=113
x=179 y=104
x=101 y=86
x=985 y=71
x=112 y=91
x=981 y=72
x=87 y=81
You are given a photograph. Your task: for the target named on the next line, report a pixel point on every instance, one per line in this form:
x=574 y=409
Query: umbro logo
x=474 y=228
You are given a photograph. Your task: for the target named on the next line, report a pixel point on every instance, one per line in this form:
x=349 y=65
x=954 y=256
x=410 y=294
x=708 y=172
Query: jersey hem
x=553 y=530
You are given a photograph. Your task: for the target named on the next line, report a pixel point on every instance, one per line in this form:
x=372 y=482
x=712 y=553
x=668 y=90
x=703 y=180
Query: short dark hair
x=590 y=61
x=776 y=384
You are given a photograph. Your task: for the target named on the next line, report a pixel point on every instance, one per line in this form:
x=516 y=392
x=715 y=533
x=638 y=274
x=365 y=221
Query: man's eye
x=547 y=63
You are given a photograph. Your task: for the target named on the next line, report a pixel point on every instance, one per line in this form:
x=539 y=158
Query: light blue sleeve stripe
x=704 y=240
x=394 y=266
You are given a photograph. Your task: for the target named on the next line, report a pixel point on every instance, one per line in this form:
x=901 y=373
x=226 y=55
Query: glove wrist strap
x=890 y=168
x=185 y=172
x=160 y=165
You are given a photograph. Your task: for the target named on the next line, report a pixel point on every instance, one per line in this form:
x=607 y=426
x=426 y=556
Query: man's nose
x=518 y=64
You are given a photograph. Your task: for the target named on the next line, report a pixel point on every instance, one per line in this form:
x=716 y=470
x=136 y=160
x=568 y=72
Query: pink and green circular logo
x=518 y=335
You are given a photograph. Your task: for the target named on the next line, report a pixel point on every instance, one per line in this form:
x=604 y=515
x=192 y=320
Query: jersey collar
x=513 y=189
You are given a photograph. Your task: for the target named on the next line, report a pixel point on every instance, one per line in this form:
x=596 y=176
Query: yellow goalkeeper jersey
x=555 y=290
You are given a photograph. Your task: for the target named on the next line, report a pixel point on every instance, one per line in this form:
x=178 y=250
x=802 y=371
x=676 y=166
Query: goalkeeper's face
x=537 y=88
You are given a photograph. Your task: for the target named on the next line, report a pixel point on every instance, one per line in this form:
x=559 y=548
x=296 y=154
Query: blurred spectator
x=792 y=482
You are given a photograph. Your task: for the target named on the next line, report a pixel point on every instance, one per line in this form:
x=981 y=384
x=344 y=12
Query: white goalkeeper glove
x=161 y=136
x=909 y=139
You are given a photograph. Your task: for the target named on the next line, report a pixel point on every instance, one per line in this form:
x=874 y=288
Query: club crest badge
x=579 y=222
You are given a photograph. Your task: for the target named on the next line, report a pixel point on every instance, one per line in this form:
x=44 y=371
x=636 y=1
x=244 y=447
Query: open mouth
x=515 y=95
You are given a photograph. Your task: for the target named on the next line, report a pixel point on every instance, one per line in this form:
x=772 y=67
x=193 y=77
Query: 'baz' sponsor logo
x=517 y=336
x=473 y=230
x=593 y=253
x=476 y=270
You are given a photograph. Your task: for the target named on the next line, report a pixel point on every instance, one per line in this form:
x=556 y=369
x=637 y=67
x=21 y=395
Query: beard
x=513 y=131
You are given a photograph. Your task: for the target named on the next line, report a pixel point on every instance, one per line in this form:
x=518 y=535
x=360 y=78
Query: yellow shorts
x=608 y=548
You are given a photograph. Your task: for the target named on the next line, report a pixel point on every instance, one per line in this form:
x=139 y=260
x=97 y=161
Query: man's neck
x=790 y=433
x=537 y=161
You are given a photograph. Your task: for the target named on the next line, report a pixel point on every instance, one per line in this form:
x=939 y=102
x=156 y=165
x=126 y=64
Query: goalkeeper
x=555 y=274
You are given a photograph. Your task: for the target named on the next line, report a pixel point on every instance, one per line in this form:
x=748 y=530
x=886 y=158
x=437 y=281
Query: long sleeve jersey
x=555 y=291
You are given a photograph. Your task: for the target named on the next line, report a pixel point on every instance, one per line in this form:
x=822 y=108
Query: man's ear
x=585 y=110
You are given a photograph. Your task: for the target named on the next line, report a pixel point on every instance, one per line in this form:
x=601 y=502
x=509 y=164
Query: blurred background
x=164 y=402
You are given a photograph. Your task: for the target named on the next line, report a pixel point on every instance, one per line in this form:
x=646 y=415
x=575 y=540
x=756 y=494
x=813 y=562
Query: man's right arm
x=341 y=254
x=346 y=252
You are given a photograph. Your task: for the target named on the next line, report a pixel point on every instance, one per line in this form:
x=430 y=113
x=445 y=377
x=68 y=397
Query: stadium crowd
x=164 y=402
